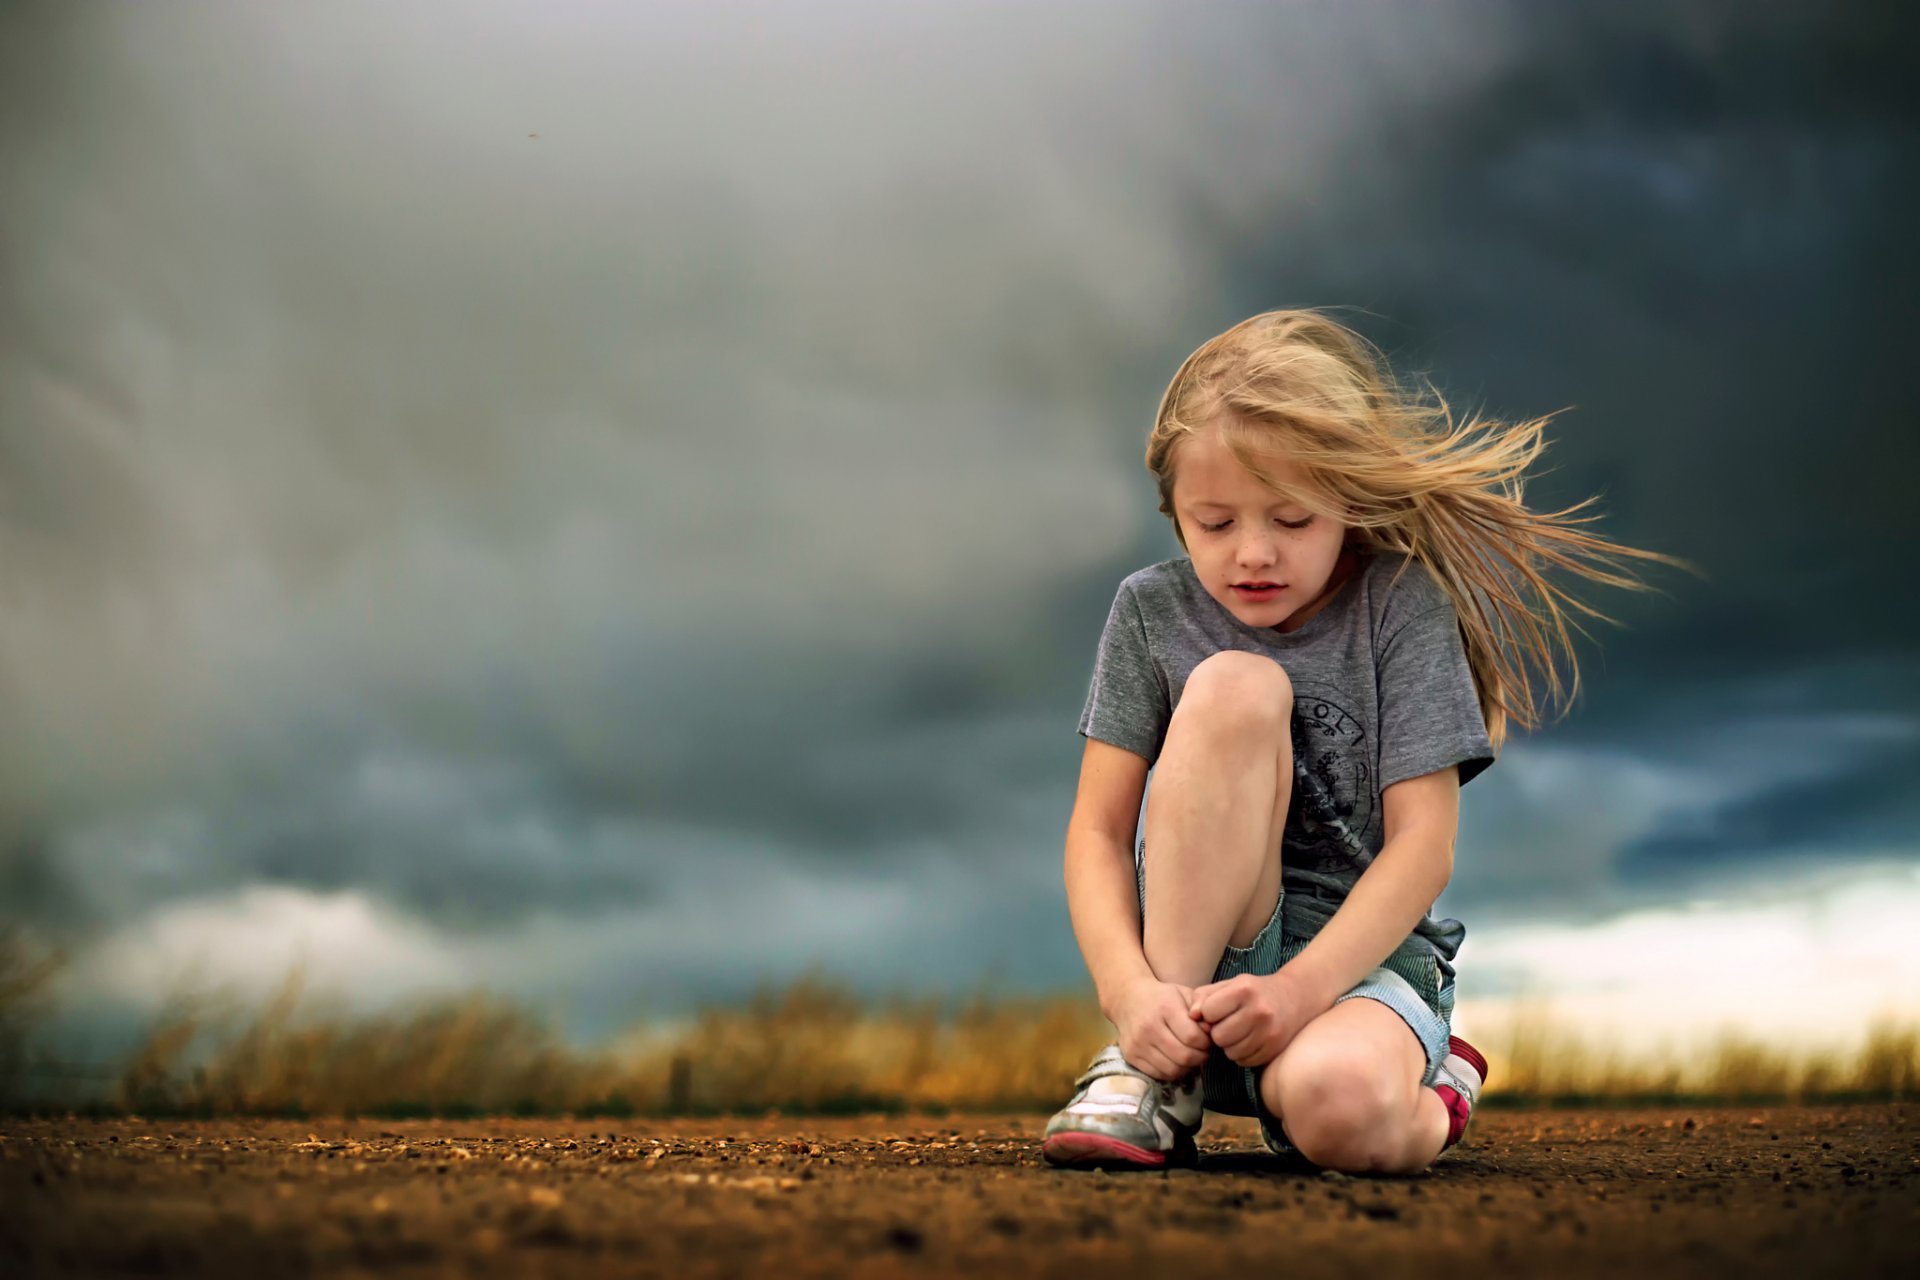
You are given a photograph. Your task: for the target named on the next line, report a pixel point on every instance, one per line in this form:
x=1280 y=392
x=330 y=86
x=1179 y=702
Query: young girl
x=1337 y=655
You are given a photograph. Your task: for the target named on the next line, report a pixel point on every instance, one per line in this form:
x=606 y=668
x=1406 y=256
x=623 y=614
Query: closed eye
x=1284 y=524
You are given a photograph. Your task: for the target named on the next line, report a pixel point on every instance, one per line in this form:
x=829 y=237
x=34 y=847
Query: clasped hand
x=1166 y=1029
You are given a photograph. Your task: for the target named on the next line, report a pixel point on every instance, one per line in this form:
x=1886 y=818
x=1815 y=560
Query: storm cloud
x=656 y=475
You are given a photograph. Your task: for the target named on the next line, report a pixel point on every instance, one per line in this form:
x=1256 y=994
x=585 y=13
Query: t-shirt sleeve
x=1127 y=701
x=1429 y=711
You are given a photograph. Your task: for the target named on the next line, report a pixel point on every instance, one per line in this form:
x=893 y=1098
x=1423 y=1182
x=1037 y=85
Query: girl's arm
x=1102 y=894
x=1157 y=1033
x=1393 y=894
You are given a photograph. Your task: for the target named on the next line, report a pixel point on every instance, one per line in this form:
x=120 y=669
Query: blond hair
x=1404 y=476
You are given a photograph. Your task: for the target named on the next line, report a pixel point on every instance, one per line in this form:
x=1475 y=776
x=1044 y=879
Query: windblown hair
x=1403 y=475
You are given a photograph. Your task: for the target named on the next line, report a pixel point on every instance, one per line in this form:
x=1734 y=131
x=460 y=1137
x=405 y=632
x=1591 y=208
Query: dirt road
x=1774 y=1191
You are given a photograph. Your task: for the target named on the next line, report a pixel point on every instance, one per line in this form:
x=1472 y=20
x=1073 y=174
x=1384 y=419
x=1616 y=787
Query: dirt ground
x=1775 y=1191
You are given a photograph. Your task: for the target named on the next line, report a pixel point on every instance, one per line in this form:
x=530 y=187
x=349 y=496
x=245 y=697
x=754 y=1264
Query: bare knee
x=1343 y=1108
x=1233 y=690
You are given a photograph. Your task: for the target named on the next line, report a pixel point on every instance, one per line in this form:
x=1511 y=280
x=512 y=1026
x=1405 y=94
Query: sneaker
x=1113 y=1128
x=1458 y=1082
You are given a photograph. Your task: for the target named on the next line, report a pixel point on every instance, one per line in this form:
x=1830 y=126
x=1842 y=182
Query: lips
x=1257 y=590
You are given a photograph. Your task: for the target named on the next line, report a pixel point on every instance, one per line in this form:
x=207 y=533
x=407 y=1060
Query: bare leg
x=1350 y=1082
x=1215 y=813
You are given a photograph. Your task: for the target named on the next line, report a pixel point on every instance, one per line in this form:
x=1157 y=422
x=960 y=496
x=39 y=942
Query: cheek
x=1325 y=554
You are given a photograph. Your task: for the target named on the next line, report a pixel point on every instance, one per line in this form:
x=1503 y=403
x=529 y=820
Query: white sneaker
x=1144 y=1125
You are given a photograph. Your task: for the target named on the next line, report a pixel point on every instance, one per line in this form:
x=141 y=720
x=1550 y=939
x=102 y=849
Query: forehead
x=1206 y=470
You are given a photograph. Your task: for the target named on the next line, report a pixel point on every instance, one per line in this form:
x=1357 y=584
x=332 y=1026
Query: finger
x=1258 y=1054
x=1241 y=1042
x=1143 y=1055
x=1177 y=1066
x=1156 y=1064
x=1189 y=1042
x=1220 y=1003
x=1251 y=1053
x=1232 y=1034
x=1189 y=1035
x=1182 y=1050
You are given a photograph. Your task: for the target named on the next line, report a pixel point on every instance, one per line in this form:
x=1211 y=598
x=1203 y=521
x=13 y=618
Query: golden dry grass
x=813 y=1046
x=1535 y=1055
x=808 y=1047
x=27 y=969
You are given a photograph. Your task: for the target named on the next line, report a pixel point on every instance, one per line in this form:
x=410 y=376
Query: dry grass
x=815 y=1047
x=812 y=1047
x=1537 y=1057
x=27 y=970
x=464 y=1054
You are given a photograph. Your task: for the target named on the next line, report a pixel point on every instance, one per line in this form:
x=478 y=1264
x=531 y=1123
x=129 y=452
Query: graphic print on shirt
x=1333 y=796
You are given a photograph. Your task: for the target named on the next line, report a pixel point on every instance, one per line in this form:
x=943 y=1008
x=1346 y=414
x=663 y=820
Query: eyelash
x=1284 y=524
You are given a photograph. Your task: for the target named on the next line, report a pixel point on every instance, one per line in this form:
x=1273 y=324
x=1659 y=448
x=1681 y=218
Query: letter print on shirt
x=1333 y=800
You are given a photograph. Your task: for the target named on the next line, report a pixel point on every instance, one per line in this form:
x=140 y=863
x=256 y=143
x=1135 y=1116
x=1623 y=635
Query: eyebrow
x=1227 y=506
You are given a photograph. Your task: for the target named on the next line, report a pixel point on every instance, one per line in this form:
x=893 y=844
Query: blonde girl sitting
x=1339 y=652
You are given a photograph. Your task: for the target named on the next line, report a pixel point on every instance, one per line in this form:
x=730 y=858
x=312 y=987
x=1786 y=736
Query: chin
x=1255 y=616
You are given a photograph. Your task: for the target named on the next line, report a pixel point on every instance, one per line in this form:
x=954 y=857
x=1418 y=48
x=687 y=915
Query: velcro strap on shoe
x=1110 y=1063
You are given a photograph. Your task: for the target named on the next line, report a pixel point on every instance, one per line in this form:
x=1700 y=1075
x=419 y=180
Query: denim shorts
x=1409 y=983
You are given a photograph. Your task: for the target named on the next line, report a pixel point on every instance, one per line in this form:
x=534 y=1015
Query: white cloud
x=731 y=914
x=1815 y=957
x=1546 y=826
x=245 y=943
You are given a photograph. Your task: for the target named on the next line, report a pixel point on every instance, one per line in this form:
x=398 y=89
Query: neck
x=1343 y=570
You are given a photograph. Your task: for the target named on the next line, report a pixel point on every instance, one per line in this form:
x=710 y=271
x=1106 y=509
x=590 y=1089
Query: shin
x=1215 y=812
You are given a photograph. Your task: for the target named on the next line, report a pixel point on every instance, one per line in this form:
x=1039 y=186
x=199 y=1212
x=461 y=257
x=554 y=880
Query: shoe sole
x=1096 y=1150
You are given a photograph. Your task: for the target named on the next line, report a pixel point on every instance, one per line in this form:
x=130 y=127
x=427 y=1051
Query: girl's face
x=1268 y=560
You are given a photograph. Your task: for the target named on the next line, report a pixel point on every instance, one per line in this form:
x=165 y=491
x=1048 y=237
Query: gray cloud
x=396 y=502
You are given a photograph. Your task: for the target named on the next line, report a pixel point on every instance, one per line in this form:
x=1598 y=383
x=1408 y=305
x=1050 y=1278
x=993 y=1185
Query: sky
x=615 y=504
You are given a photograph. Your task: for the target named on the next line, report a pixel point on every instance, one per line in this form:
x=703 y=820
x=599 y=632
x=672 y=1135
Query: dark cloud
x=1863 y=805
x=1675 y=223
x=395 y=502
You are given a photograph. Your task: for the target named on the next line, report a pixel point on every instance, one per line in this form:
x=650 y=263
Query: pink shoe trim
x=1088 y=1148
x=1458 y=1111
x=1456 y=1045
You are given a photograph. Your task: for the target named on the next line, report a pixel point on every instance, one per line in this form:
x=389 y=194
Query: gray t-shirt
x=1382 y=692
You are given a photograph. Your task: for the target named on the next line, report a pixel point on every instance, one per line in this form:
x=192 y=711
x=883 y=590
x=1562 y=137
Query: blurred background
x=611 y=506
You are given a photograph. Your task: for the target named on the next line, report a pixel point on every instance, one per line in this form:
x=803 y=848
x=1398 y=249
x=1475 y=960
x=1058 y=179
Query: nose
x=1257 y=549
